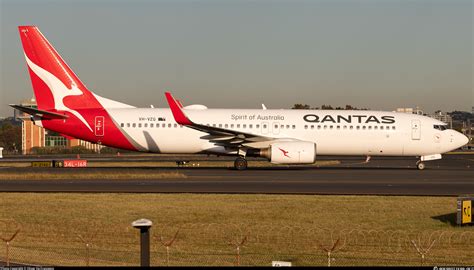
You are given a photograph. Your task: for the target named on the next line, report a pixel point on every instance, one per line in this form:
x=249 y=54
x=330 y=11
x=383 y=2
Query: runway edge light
x=464 y=210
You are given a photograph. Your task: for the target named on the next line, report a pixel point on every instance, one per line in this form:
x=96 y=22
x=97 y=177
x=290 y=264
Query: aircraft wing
x=219 y=136
x=39 y=113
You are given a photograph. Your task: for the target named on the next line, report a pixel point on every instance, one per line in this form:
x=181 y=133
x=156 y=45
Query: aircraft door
x=276 y=128
x=99 y=126
x=415 y=129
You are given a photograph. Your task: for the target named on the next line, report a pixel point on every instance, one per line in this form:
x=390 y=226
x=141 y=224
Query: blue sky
x=380 y=54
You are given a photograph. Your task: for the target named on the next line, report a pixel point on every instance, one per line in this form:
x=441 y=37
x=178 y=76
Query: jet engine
x=290 y=153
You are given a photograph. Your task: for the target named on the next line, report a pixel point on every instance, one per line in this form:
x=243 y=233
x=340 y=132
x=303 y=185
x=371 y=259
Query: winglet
x=178 y=114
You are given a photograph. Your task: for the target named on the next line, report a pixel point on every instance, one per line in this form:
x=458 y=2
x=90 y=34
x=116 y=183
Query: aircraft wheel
x=240 y=164
x=420 y=165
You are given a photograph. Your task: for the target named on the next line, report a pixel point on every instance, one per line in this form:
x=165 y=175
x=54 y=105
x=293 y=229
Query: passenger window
x=128 y=124
x=393 y=127
x=146 y=125
x=139 y=125
x=226 y=125
x=294 y=126
x=163 y=125
x=220 y=125
x=134 y=125
x=244 y=125
x=232 y=125
x=351 y=127
x=238 y=125
x=264 y=126
x=376 y=127
x=250 y=126
x=169 y=125
x=319 y=127
x=151 y=125
x=122 y=125
x=257 y=126
x=381 y=128
x=175 y=125
x=305 y=126
x=287 y=126
x=364 y=127
x=312 y=126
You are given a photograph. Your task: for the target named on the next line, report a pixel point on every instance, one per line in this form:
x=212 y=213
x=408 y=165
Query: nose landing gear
x=420 y=165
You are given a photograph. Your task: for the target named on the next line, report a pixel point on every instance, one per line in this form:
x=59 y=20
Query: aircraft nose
x=462 y=139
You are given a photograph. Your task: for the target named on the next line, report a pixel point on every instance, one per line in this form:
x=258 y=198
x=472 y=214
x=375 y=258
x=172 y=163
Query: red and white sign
x=99 y=126
x=75 y=163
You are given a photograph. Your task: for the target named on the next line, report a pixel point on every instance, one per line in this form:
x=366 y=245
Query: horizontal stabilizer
x=40 y=113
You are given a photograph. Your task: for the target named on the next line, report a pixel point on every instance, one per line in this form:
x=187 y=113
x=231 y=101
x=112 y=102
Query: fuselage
x=374 y=133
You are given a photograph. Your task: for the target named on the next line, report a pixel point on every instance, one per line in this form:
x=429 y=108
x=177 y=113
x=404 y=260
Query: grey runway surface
x=451 y=176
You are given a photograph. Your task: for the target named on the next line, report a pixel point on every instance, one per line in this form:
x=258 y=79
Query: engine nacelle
x=290 y=152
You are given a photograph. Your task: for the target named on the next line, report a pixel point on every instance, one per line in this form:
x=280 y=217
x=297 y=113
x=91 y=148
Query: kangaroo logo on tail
x=58 y=89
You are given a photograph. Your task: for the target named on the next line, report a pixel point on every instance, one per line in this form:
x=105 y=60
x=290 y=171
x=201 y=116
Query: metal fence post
x=144 y=225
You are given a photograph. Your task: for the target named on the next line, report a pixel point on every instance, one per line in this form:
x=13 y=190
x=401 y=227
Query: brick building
x=35 y=136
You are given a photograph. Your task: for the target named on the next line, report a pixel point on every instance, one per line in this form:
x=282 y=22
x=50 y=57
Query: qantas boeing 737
x=66 y=106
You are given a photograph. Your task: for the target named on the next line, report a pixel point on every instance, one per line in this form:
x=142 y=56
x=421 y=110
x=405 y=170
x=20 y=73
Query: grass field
x=372 y=230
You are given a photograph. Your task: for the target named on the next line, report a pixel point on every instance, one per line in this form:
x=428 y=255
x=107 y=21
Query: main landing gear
x=420 y=165
x=240 y=164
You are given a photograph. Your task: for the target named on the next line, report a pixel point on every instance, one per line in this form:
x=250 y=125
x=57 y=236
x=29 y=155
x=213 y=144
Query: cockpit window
x=440 y=127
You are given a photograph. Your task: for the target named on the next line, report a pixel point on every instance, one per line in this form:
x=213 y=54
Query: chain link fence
x=237 y=244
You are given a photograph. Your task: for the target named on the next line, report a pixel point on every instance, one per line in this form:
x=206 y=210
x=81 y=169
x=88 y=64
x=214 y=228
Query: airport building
x=35 y=136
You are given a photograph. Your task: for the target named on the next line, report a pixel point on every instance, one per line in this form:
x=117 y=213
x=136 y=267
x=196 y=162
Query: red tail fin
x=51 y=77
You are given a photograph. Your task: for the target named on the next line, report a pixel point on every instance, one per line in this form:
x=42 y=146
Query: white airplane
x=66 y=106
